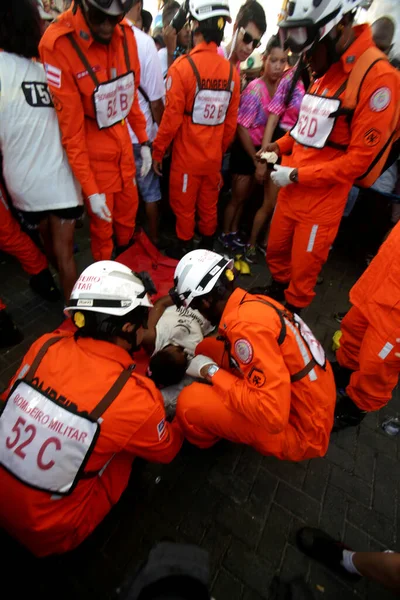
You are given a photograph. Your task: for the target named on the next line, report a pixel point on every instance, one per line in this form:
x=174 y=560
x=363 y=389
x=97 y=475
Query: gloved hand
x=197 y=364
x=99 y=207
x=280 y=175
x=145 y=153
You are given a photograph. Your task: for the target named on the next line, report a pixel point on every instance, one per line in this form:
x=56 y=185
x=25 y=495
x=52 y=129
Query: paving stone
x=340 y=457
x=333 y=587
x=334 y=512
x=233 y=487
x=248 y=465
x=216 y=542
x=273 y=540
x=379 y=442
x=297 y=503
x=316 y=478
x=241 y=524
x=262 y=494
x=356 y=538
x=352 y=485
x=252 y=571
x=292 y=473
x=295 y=564
x=372 y=522
x=365 y=462
x=227 y=586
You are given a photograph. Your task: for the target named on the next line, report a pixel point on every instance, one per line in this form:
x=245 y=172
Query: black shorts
x=33 y=218
x=241 y=163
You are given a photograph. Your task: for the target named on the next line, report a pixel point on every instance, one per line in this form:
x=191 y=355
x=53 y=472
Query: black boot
x=341 y=374
x=320 y=546
x=179 y=249
x=293 y=309
x=10 y=335
x=347 y=414
x=275 y=290
x=206 y=242
x=43 y=284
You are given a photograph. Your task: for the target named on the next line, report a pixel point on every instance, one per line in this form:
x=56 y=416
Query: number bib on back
x=43 y=444
x=113 y=100
x=315 y=348
x=210 y=107
x=315 y=125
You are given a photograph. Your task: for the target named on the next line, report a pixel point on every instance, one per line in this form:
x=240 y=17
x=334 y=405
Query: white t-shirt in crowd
x=181 y=327
x=151 y=80
x=35 y=166
x=163 y=56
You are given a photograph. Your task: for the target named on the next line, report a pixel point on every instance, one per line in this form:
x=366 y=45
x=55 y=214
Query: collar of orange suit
x=78 y=24
x=363 y=40
x=211 y=47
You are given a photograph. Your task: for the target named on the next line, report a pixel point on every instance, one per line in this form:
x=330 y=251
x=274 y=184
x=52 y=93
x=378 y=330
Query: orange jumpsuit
x=308 y=214
x=78 y=373
x=101 y=159
x=253 y=399
x=17 y=243
x=371 y=327
x=199 y=143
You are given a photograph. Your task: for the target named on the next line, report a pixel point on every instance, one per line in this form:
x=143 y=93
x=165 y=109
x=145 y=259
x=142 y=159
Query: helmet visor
x=112 y=7
x=298 y=39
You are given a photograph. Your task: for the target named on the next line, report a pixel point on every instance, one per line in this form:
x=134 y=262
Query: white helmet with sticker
x=196 y=274
x=201 y=10
x=110 y=288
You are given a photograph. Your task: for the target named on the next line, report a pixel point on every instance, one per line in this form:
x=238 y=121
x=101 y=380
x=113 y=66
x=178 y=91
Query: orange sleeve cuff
x=90 y=188
x=285 y=144
x=158 y=154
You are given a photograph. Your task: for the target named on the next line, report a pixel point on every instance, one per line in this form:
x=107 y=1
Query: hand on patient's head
x=168 y=366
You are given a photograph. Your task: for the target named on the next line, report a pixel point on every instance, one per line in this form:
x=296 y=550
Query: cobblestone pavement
x=242 y=507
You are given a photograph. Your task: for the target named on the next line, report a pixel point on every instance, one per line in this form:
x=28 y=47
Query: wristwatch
x=294 y=176
x=148 y=144
x=212 y=369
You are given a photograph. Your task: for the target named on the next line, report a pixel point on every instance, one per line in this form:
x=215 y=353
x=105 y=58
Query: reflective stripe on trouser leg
x=311 y=240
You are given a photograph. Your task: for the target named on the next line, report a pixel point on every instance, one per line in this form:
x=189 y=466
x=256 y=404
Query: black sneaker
x=320 y=546
x=10 y=335
x=347 y=414
x=339 y=316
x=43 y=284
x=179 y=249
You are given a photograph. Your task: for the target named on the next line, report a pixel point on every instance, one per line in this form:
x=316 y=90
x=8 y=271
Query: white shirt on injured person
x=183 y=327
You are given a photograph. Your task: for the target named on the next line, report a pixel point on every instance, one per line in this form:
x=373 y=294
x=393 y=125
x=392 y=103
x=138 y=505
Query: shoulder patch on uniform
x=161 y=429
x=53 y=75
x=168 y=83
x=244 y=351
x=380 y=99
x=256 y=377
x=372 y=137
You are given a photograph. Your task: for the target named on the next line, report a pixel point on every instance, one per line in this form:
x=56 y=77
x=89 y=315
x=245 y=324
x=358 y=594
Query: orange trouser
x=190 y=192
x=123 y=206
x=17 y=243
x=296 y=252
x=205 y=418
x=371 y=355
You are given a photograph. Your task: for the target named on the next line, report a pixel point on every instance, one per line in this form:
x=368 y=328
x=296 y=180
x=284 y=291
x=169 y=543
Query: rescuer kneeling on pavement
x=76 y=415
x=93 y=72
x=203 y=93
x=343 y=136
x=271 y=385
x=368 y=365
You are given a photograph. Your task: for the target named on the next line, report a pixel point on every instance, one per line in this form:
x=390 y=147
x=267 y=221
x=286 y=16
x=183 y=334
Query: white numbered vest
x=113 y=99
x=210 y=106
x=317 y=118
x=44 y=444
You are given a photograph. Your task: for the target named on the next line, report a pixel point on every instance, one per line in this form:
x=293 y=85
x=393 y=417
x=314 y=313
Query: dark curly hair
x=251 y=12
x=20 y=28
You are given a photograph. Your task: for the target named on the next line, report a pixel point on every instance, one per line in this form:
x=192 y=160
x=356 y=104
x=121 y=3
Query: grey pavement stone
x=251 y=570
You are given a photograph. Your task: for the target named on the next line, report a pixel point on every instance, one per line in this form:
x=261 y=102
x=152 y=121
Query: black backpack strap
x=146 y=97
x=83 y=58
x=39 y=357
x=126 y=51
x=195 y=71
x=305 y=371
x=112 y=393
x=229 y=85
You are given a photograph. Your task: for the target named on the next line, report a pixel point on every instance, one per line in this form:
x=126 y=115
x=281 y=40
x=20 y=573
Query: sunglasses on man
x=97 y=16
x=248 y=39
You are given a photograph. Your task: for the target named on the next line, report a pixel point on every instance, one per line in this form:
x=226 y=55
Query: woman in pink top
x=283 y=112
x=252 y=118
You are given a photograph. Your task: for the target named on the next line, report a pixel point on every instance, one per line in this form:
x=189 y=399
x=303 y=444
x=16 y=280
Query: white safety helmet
x=201 y=10
x=110 y=288
x=112 y=7
x=350 y=5
x=196 y=274
x=304 y=22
